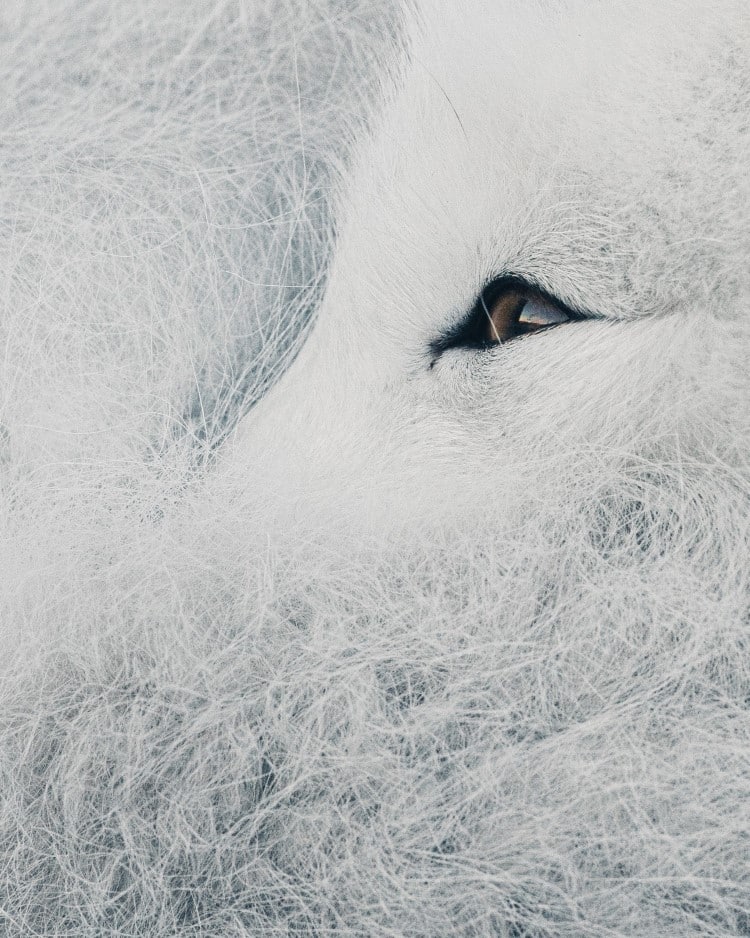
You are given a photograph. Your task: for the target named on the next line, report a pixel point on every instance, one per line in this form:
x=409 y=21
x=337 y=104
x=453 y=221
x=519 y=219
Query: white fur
x=407 y=645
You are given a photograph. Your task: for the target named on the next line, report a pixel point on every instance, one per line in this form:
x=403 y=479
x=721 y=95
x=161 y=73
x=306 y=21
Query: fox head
x=540 y=286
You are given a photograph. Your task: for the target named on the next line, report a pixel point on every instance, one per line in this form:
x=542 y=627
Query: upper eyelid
x=524 y=284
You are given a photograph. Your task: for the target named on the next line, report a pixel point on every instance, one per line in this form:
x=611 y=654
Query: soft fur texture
x=413 y=644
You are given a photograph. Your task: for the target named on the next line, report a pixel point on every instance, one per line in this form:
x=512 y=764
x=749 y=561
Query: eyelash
x=471 y=332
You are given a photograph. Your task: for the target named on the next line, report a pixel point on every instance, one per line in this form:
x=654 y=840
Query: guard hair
x=308 y=628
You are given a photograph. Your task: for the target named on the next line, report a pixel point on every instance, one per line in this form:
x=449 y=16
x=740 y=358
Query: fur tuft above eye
x=506 y=309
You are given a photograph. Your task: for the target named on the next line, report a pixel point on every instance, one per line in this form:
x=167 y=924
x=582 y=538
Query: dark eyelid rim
x=467 y=332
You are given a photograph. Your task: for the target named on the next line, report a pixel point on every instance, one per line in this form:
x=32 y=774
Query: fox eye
x=506 y=309
x=516 y=311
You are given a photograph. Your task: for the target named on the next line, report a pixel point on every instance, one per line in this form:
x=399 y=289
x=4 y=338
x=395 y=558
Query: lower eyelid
x=469 y=355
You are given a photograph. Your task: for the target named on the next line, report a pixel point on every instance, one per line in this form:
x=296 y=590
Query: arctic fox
x=535 y=340
x=447 y=634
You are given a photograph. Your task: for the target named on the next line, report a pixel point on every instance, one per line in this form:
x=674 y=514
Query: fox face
x=540 y=281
